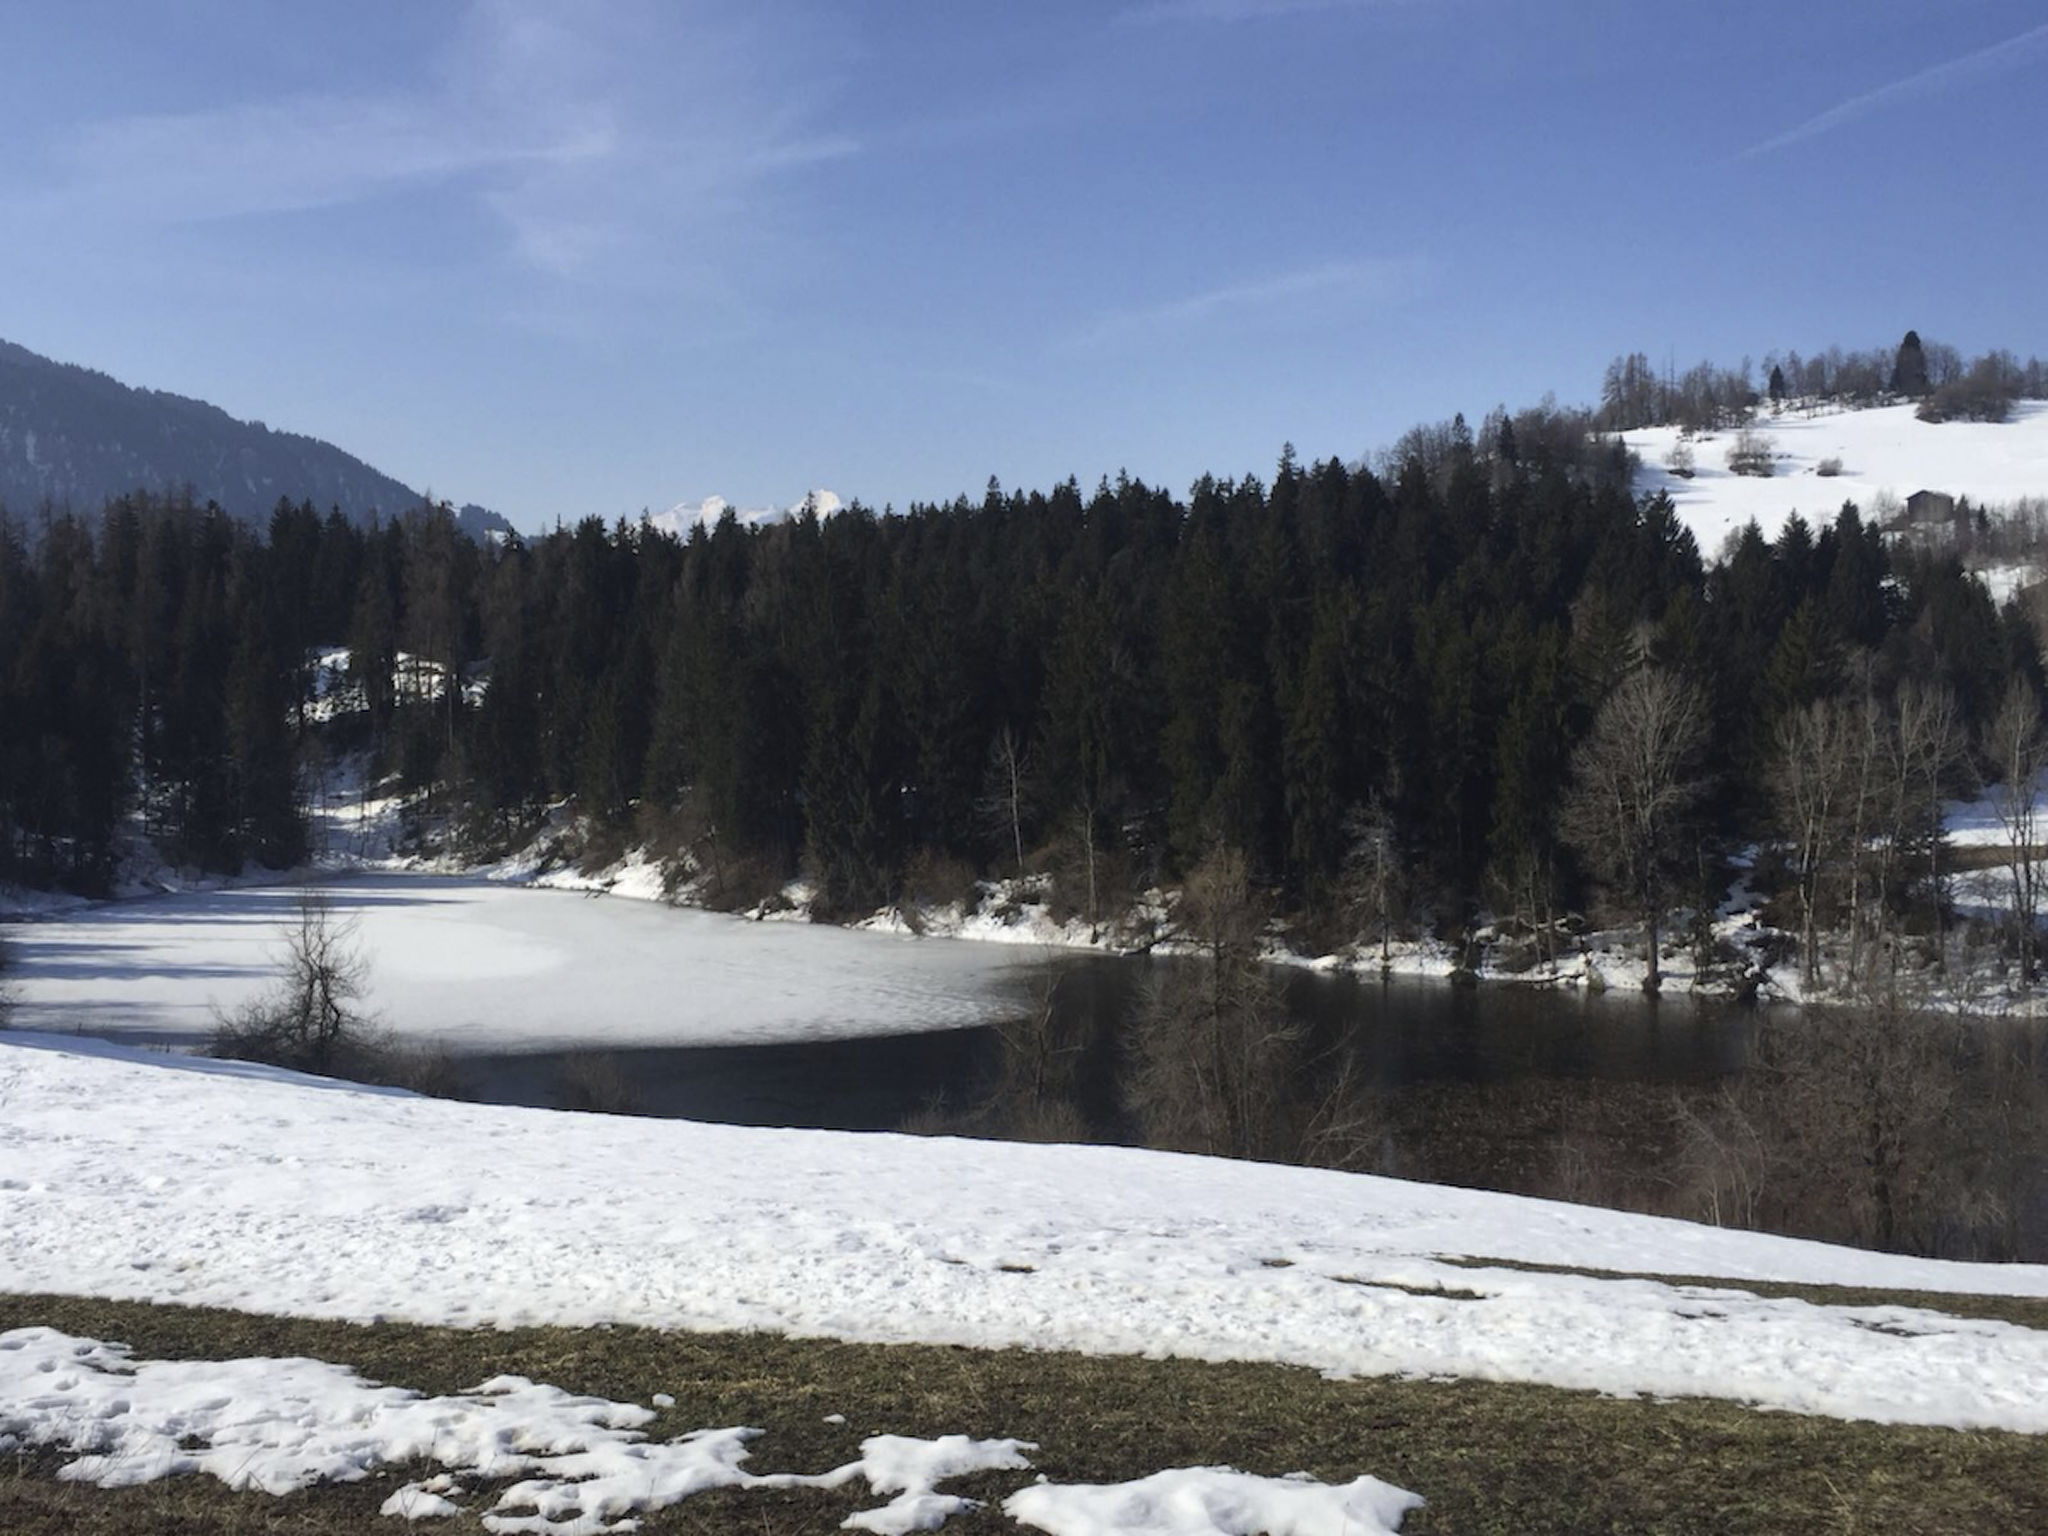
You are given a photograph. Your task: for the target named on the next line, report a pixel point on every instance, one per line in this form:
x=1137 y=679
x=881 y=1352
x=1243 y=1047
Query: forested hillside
x=75 y=438
x=1396 y=694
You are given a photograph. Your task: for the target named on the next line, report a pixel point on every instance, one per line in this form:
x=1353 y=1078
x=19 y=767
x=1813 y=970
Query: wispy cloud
x=301 y=153
x=1332 y=285
x=1927 y=82
x=584 y=129
x=1244 y=10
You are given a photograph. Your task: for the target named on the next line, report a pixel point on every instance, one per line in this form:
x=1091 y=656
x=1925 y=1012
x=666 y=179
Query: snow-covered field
x=480 y=966
x=1885 y=452
x=126 y=1174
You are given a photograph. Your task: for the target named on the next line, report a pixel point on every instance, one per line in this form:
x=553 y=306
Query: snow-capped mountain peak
x=685 y=515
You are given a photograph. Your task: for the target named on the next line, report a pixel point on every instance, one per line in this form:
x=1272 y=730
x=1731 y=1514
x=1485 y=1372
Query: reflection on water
x=1408 y=1032
x=839 y=1085
x=1684 y=1107
x=1400 y=1035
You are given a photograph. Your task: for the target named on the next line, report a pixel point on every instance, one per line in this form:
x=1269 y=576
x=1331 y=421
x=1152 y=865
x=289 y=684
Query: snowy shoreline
x=357 y=832
x=1016 y=915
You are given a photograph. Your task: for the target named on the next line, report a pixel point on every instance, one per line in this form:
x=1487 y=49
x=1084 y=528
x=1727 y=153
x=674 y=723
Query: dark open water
x=1403 y=1033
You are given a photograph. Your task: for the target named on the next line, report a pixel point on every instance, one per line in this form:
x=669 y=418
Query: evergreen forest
x=1377 y=687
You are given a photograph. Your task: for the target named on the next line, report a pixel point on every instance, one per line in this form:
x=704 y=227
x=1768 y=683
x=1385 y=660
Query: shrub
x=596 y=1083
x=1090 y=874
x=486 y=833
x=935 y=879
x=1679 y=460
x=604 y=844
x=1878 y=1126
x=422 y=1069
x=738 y=883
x=1965 y=401
x=1985 y=393
x=1827 y=469
x=1751 y=454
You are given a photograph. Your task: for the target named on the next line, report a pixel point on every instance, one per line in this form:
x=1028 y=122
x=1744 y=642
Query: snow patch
x=583 y=1464
x=1214 y=1501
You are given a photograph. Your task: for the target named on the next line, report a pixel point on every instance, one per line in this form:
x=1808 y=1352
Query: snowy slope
x=127 y=1175
x=1884 y=452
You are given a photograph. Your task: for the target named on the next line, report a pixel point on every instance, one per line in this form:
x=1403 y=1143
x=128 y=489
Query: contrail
x=1926 y=82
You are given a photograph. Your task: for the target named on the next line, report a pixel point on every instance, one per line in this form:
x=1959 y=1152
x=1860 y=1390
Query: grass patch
x=1440 y=1292
x=1490 y=1458
x=2024 y=1311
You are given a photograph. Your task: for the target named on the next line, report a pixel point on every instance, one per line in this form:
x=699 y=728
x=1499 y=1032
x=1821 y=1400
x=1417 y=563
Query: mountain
x=685 y=515
x=71 y=436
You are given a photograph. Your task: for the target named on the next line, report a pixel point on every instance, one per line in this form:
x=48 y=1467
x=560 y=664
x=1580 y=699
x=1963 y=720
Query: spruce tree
x=1909 y=368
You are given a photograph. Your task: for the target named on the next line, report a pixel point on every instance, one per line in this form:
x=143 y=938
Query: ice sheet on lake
x=489 y=967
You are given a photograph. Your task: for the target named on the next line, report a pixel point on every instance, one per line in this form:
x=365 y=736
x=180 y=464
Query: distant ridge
x=74 y=437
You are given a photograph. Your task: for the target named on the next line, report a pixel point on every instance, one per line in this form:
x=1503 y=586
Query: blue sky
x=565 y=258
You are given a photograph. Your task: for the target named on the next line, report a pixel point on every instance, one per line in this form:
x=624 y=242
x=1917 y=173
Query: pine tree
x=1313 y=765
x=373 y=632
x=1196 y=626
x=268 y=826
x=1909 y=368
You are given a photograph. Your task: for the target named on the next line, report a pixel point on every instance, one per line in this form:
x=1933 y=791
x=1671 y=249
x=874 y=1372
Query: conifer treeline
x=1335 y=666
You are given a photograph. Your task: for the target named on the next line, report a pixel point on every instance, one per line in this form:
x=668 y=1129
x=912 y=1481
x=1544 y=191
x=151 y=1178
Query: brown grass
x=1489 y=1457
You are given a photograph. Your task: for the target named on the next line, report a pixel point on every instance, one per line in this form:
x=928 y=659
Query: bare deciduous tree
x=1222 y=1066
x=1752 y=453
x=1856 y=795
x=1878 y=1124
x=1217 y=1052
x=1808 y=773
x=6 y=991
x=1041 y=1052
x=1872 y=787
x=1371 y=879
x=313 y=1019
x=2018 y=752
x=1635 y=784
x=1003 y=805
x=1724 y=1162
x=1930 y=746
x=1010 y=763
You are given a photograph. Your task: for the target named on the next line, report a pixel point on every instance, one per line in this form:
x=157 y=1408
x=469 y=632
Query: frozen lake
x=488 y=968
x=562 y=1000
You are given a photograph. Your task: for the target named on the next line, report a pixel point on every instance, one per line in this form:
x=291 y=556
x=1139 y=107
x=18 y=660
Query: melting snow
x=1214 y=1501
x=583 y=1464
